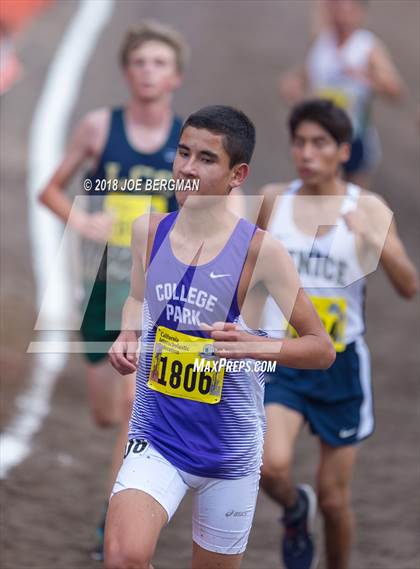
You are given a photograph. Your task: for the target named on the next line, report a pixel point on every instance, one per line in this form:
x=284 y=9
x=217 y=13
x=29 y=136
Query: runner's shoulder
x=274 y=189
x=270 y=193
x=378 y=45
x=268 y=256
x=145 y=226
x=266 y=246
x=96 y=120
x=94 y=127
x=371 y=202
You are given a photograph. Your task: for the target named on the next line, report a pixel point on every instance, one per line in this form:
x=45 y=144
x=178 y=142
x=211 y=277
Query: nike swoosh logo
x=214 y=276
x=345 y=433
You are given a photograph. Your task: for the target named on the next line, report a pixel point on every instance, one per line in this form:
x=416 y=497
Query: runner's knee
x=104 y=418
x=333 y=501
x=120 y=558
x=275 y=468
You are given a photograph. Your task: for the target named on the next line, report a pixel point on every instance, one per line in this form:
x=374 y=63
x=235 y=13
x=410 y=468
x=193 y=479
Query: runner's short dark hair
x=236 y=128
x=325 y=113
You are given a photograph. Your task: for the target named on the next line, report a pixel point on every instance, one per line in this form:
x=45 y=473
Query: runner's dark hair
x=325 y=113
x=236 y=128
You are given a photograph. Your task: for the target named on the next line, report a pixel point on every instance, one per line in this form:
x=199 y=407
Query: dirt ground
x=51 y=500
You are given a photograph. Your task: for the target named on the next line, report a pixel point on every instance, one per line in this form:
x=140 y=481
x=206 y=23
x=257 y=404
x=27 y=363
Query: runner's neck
x=147 y=127
x=202 y=224
x=342 y=36
x=335 y=187
x=153 y=114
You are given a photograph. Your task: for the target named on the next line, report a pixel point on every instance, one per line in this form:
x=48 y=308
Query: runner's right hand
x=94 y=226
x=122 y=354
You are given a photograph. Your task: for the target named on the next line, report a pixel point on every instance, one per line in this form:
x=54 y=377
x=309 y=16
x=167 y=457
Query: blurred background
x=238 y=49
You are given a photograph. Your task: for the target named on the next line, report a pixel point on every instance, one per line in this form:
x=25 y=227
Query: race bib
x=336 y=96
x=125 y=209
x=333 y=315
x=173 y=371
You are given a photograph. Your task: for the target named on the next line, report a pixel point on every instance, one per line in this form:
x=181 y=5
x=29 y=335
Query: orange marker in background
x=14 y=15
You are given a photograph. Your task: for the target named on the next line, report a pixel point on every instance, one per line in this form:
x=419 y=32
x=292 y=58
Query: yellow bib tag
x=333 y=315
x=125 y=209
x=336 y=96
x=172 y=371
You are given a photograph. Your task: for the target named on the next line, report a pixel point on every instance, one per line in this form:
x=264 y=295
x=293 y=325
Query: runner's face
x=316 y=154
x=346 y=15
x=201 y=156
x=151 y=71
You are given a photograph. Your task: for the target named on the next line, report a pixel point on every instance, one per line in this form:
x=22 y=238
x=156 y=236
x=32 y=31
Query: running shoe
x=298 y=549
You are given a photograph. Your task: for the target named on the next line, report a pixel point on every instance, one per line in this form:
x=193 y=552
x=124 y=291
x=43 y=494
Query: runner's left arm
x=398 y=266
x=311 y=350
x=378 y=242
x=383 y=74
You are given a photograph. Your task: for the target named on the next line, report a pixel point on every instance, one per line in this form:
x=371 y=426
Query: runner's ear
x=344 y=152
x=238 y=175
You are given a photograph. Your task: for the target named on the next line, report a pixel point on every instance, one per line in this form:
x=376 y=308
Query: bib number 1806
x=183 y=376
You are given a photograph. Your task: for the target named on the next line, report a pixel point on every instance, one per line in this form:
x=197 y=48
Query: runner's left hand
x=231 y=342
x=368 y=228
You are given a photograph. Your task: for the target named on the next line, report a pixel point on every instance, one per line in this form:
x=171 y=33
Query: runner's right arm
x=270 y=194
x=86 y=143
x=122 y=353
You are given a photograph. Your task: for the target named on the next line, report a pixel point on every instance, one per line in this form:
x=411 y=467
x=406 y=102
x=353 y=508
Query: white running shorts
x=222 y=509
